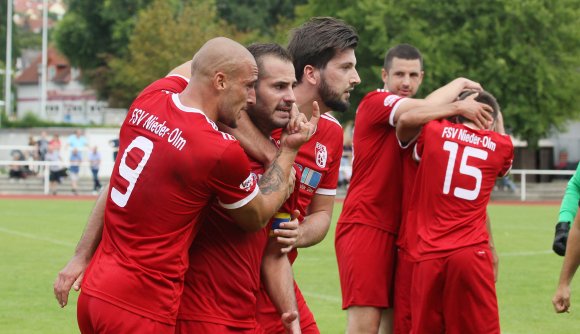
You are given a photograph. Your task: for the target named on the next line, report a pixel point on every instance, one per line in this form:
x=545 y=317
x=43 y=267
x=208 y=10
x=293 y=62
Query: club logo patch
x=248 y=183
x=321 y=155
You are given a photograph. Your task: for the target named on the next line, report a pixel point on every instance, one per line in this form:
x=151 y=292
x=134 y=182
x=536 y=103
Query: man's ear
x=220 y=81
x=384 y=75
x=311 y=75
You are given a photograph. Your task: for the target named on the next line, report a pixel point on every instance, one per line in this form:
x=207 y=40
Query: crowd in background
x=67 y=157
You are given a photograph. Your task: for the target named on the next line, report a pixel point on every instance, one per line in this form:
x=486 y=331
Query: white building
x=67 y=99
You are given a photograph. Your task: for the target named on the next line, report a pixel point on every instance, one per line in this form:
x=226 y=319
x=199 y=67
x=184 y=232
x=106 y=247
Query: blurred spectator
x=17 y=171
x=55 y=142
x=95 y=162
x=56 y=169
x=507 y=183
x=115 y=145
x=75 y=166
x=78 y=141
x=42 y=145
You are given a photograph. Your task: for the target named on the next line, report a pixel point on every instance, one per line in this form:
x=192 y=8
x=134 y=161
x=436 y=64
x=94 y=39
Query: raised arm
x=72 y=274
x=274 y=182
x=252 y=140
x=410 y=123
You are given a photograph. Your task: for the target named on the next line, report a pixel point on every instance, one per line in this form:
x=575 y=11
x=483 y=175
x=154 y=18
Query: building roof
x=62 y=74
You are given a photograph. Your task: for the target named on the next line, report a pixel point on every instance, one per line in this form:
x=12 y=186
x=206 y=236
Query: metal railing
x=525 y=172
x=47 y=165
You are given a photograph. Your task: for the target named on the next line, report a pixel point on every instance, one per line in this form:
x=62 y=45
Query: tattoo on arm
x=272 y=180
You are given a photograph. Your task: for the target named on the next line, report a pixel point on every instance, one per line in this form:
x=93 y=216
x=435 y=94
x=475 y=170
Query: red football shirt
x=457 y=171
x=319 y=163
x=172 y=162
x=410 y=168
x=374 y=194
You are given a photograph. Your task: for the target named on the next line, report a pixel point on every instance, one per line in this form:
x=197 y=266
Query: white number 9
x=131 y=175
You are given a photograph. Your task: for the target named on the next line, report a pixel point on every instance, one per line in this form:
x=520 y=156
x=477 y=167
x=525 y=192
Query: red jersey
x=374 y=194
x=410 y=168
x=319 y=163
x=457 y=171
x=173 y=161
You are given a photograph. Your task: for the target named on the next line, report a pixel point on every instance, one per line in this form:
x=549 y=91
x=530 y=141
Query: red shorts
x=190 y=327
x=269 y=318
x=366 y=264
x=402 y=294
x=455 y=294
x=98 y=316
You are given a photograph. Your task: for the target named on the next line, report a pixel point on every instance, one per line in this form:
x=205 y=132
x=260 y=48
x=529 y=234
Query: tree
x=526 y=53
x=260 y=15
x=93 y=32
x=165 y=36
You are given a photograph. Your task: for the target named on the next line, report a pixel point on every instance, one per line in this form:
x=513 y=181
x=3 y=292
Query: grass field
x=37 y=237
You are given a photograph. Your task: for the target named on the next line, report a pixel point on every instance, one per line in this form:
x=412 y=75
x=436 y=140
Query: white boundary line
x=35 y=237
x=531 y=253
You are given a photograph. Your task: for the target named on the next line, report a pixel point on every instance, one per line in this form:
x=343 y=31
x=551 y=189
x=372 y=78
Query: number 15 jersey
x=457 y=171
x=172 y=162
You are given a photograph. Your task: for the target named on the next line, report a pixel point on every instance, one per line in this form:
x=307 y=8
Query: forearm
x=253 y=141
x=278 y=278
x=93 y=232
x=569 y=206
x=313 y=229
x=410 y=123
x=572 y=258
x=451 y=91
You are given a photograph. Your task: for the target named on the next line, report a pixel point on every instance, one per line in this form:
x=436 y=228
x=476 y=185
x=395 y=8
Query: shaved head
x=220 y=54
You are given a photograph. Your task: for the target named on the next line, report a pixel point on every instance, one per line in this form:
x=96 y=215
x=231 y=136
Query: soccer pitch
x=37 y=237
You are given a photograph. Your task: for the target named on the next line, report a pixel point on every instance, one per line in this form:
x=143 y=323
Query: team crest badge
x=321 y=155
x=249 y=182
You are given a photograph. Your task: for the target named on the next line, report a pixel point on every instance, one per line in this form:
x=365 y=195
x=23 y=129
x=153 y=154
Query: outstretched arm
x=72 y=274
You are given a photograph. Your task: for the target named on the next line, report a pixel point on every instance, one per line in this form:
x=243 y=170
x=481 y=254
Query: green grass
x=37 y=237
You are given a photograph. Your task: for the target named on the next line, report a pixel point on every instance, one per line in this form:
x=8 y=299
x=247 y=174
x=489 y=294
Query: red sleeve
x=170 y=84
x=232 y=178
x=381 y=107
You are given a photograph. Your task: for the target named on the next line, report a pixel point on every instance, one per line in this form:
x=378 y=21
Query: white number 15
x=464 y=169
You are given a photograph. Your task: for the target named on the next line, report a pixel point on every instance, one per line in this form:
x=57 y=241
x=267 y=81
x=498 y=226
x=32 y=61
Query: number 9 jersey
x=172 y=162
x=458 y=167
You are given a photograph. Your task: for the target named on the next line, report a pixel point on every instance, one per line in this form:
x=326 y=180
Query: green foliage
x=31 y=120
x=164 y=37
x=527 y=53
x=260 y=15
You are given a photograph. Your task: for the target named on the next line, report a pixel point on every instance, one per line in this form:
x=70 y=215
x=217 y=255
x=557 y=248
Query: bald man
x=174 y=161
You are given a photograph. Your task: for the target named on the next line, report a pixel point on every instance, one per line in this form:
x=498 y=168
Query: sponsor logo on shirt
x=248 y=183
x=390 y=100
x=321 y=155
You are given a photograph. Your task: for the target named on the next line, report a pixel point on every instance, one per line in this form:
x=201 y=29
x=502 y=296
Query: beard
x=331 y=98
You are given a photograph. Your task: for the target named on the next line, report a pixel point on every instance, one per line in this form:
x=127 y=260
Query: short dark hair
x=318 y=40
x=261 y=50
x=482 y=97
x=402 y=51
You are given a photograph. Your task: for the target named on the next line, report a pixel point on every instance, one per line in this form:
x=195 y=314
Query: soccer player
x=223 y=278
x=372 y=210
x=323 y=50
x=174 y=162
x=561 y=299
x=453 y=279
x=568 y=210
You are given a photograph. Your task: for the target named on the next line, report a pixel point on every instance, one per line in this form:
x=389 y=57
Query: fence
x=525 y=172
